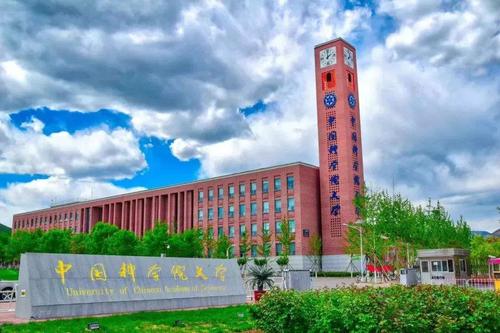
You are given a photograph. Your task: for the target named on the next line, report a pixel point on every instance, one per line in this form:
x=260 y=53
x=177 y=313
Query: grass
x=7 y=274
x=229 y=319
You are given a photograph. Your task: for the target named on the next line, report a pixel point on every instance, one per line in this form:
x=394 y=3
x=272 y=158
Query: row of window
x=36 y=221
x=242 y=211
x=254 y=252
x=253 y=229
x=442 y=266
x=290 y=184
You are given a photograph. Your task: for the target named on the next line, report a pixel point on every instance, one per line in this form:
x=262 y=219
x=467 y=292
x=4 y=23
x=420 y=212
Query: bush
x=392 y=309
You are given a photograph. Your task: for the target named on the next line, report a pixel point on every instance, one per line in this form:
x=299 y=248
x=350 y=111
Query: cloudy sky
x=118 y=96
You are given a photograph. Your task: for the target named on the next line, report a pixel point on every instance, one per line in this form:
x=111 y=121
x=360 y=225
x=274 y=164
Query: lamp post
x=360 y=229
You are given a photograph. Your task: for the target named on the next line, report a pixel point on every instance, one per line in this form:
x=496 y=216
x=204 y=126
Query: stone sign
x=67 y=285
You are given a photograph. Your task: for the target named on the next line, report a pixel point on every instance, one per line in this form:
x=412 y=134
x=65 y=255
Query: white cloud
x=97 y=153
x=41 y=193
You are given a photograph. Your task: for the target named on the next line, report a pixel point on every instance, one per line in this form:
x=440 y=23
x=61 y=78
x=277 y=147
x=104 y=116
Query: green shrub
x=392 y=309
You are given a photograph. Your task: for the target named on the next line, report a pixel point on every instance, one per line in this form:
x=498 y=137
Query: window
x=278 y=227
x=253 y=188
x=210 y=194
x=290 y=182
x=292 y=249
x=231 y=191
x=65 y=216
x=253 y=250
x=220 y=212
x=291 y=226
x=200 y=196
x=254 y=229
x=277 y=206
x=450 y=265
x=243 y=210
x=425 y=266
x=265 y=227
x=277 y=184
x=291 y=204
x=210 y=213
x=77 y=217
x=70 y=217
x=220 y=231
x=242 y=230
x=265 y=186
x=231 y=211
x=436 y=266
x=265 y=207
x=211 y=232
x=242 y=190
x=253 y=208
x=231 y=231
x=220 y=193
x=305 y=232
x=200 y=214
x=444 y=265
x=279 y=249
x=463 y=267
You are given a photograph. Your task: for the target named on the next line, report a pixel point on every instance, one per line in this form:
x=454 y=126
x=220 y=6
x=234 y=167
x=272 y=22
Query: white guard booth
x=443 y=266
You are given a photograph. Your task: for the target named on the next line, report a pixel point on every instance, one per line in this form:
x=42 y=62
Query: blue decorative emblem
x=332 y=149
x=335 y=210
x=356 y=180
x=355 y=165
x=354 y=137
x=353 y=121
x=334 y=196
x=333 y=165
x=332 y=135
x=330 y=100
x=331 y=120
x=352 y=101
x=334 y=180
x=355 y=150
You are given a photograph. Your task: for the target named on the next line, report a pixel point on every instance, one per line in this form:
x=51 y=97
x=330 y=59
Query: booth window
x=425 y=266
x=450 y=265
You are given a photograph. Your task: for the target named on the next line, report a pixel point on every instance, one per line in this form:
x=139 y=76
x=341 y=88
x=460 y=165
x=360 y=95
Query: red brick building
x=315 y=200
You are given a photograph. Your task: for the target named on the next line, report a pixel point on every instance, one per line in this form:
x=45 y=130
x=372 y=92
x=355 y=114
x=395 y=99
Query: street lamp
x=360 y=229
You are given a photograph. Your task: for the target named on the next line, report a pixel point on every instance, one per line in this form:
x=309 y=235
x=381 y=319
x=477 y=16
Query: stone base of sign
x=79 y=310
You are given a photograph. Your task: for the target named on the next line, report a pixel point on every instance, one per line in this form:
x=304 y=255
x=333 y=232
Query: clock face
x=348 y=57
x=352 y=101
x=328 y=57
x=330 y=100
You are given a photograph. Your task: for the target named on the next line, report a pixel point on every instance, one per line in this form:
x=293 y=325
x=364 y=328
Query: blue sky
x=97 y=101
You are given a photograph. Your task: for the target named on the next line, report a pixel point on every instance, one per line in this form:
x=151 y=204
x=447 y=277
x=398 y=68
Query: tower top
x=334 y=40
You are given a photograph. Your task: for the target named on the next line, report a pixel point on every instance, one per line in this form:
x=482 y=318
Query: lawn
x=229 y=319
x=8 y=274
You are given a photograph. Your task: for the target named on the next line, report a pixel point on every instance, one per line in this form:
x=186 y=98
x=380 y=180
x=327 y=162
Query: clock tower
x=340 y=153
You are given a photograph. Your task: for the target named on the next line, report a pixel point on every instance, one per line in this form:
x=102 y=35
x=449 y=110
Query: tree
x=78 y=243
x=187 y=244
x=222 y=247
x=155 y=241
x=96 y=243
x=244 y=249
x=481 y=249
x=55 y=241
x=23 y=242
x=285 y=237
x=122 y=242
x=391 y=224
x=208 y=244
x=314 y=257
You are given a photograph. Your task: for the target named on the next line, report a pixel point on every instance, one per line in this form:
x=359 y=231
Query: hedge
x=393 y=309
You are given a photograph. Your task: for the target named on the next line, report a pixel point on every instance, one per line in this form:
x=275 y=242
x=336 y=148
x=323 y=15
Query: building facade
x=316 y=200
